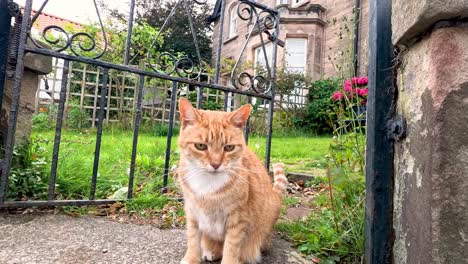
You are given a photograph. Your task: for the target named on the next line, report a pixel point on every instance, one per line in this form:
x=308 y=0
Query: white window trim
x=296 y=4
x=233 y=20
x=267 y=45
x=282 y=2
x=305 y=52
x=298 y=97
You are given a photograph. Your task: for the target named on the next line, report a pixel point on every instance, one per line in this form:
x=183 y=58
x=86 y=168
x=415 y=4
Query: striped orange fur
x=230 y=201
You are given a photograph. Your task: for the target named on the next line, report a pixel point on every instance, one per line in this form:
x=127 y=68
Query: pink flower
x=362 y=92
x=338 y=96
x=363 y=102
x=348 y=86
x=362 y=81
x=355 y=80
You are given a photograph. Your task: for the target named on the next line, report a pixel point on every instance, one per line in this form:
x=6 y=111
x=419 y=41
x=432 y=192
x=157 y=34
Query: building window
x=233 y=21
x=296 y=61
x=297 y=3
x=260 y=59
x=296 y=55
x=281 y=2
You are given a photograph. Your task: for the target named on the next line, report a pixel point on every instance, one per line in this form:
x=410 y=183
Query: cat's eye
x=228 y=148
x=201 y=146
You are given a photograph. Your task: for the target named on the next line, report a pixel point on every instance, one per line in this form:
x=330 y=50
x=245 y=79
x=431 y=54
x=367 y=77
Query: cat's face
x=212 y=141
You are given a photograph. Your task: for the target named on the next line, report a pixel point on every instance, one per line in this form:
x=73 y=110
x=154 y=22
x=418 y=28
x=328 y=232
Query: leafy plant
x=77 y=118
x=161 y=130
x=40 y=122
x=28 y=177
x=335 y=232
x=318 y=115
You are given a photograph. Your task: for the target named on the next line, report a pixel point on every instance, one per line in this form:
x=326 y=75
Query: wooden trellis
x=83 y=91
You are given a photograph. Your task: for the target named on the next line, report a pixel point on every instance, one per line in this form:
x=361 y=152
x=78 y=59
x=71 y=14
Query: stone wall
x=338 y=16
x=35 y=65
x=431 y=163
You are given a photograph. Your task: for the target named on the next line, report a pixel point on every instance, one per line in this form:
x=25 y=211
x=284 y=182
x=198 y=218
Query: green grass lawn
x=301 y=154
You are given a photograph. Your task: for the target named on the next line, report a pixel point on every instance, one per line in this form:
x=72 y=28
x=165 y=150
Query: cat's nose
x=215 y=165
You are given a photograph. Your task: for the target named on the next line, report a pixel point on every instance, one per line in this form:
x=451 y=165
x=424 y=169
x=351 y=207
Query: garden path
x=58 y=238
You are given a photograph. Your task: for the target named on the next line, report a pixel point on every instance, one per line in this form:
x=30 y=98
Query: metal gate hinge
x=13 y=8
x=273 y=37
x=397 y=128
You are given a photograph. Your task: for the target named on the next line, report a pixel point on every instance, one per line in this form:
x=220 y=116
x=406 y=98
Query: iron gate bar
x=15 y=97
x=379 y=149
x=194 y=35
x=199 y=97
x=19 y=204
x=34 y=18
x=260 y=6
x=263 y=91
x=247 y=124
x=220 y=42
x=5 y=24
x=58 y=129
x=169 y=134
x=129 y=32
x=272 y=92
x=143 y=72
x=97 y=149
x=226 y=98
x=136 y=131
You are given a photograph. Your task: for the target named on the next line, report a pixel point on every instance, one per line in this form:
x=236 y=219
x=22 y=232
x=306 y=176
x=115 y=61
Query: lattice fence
x=84 y=86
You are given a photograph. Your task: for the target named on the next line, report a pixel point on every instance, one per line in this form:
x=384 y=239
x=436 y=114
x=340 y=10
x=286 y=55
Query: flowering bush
x=351 y=88
x=318 y=115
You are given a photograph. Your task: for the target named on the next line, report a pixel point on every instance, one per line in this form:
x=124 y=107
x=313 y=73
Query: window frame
x=298 y=3
x=269 y=54
x=233 y=26
x=299 y=96
x=305 y=52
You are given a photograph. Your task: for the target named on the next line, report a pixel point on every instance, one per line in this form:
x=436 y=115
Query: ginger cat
x=231 y=204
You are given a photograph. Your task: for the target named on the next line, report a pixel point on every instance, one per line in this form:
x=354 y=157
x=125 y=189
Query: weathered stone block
x=38 y=63
x=412 y=18
x=34 y=66
x=431 y=164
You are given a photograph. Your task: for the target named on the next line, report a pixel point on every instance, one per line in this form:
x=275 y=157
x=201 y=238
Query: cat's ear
x=240 y=116
x=188 y=114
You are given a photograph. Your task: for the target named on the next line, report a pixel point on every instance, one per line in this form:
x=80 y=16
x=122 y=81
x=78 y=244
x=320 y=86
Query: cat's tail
x=280 y=182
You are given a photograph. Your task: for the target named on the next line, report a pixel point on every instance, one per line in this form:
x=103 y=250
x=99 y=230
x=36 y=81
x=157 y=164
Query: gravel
x=42 y=239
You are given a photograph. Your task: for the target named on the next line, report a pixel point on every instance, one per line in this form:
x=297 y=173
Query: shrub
x=40 y=122
x=28 y=177
x=77 y=118
x=318 y=115
x=161 y=130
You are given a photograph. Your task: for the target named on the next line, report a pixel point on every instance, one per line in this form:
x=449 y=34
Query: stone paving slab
x=44 y=239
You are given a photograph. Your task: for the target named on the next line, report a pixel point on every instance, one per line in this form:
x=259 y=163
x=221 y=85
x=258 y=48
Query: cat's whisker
x=245 y=169
x=239 y=177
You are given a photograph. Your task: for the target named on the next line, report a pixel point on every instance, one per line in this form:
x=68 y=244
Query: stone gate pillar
x=431 y=163
x=34 y=66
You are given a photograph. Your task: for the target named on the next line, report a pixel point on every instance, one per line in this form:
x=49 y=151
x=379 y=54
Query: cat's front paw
x=189 y=261
x=208 y=255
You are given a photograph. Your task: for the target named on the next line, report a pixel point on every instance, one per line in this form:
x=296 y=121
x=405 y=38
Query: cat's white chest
x=202 y=183
x=212 y=224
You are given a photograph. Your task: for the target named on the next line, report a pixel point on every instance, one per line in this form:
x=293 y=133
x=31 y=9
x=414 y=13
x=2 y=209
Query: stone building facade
x=317 y=34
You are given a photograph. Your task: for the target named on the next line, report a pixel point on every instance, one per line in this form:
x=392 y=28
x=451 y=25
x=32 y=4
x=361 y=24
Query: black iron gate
x=264 y=23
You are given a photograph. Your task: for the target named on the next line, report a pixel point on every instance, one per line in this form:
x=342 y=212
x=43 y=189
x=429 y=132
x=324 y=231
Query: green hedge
x=318 y=115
